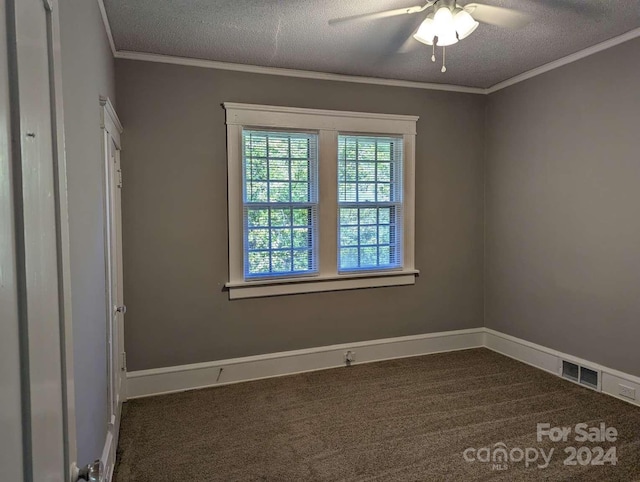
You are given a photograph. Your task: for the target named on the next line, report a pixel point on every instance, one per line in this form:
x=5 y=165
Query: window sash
x=274 y=248
x=361 y=163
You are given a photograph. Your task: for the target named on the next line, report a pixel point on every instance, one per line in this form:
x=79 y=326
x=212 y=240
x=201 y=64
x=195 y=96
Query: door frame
x=57 y=462
x=116 y=362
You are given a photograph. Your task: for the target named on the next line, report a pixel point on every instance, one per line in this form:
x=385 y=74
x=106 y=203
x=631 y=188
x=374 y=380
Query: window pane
x=301 y=238
x=300 y=192
x=369 y=257
x=280 y=240
x=349 y=236
x=349 y=258
x=384 y=255
x=279 y=169
x=279 y=192
x=278 y=146
x=279 y=176
x=301 y=217
x=369 y=235
x=256 y=170
x=257 y=192
x=368 y=216
x=281 y=262
x=384 y=193
x=279 y=217
x=299 y=148
x=370 y=202
x=259 y=262
x=348 y=216
x=384 y=215
x=300 y=170
x=258 y=217
x=301 y=260
x=258 y=238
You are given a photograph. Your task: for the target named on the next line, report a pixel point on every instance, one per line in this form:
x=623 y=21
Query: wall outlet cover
x=627 y=392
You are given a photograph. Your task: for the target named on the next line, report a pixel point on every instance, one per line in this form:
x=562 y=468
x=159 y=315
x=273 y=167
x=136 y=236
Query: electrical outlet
x=627 y=392
x=349 y=357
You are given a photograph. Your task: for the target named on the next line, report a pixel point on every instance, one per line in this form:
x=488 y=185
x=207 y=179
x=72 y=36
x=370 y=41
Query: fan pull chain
x=444 y=68
x=433 y=53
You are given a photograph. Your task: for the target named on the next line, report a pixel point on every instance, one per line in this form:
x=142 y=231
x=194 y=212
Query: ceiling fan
x=446 y=22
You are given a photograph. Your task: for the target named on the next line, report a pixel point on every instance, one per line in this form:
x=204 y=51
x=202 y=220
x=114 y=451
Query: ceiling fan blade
x=378 y=15
x=502 y=17
x=409 y=45
x=590 y=9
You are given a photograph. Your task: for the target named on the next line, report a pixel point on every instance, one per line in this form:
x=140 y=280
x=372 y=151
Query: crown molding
x=305 y=74
x=107 y=27
x=607 y=44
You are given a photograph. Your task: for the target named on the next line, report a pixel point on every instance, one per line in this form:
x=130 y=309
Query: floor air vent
x=579 y=374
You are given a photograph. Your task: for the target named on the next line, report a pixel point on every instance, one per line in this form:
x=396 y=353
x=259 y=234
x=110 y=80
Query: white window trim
x=328 y=123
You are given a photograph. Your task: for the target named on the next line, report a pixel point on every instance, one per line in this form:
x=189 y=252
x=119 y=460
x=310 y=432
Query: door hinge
x=120 y=178
x=123 y=367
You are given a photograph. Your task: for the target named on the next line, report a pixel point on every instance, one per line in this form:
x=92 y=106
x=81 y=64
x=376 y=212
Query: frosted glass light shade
x=447 y=39
x=443 y=20
x=464 y=24
x=426 y=32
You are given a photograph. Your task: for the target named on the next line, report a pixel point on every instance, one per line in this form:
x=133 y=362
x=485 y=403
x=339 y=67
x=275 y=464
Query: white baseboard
x=109 y=450
x=145 y=383
x=158 y=381
x=551 y=361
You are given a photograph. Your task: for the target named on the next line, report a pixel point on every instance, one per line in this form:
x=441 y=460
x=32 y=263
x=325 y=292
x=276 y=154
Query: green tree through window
x=280 y=203
x=370 y=202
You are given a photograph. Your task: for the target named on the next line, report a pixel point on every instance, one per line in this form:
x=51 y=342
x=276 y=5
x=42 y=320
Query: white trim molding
x=319 y=119
x=158 y=381
x=594 y=49
x=107 y=27
x=303 y=74
x=550 y=361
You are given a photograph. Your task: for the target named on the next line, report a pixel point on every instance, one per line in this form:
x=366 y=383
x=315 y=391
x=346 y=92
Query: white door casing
x=41 y=242
x=114 y=283
x=10 y=386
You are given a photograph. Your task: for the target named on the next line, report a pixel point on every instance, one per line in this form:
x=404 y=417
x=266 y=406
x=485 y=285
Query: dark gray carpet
x=400 y=420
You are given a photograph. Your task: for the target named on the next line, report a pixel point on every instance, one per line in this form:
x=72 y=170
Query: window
x=370 y=202
x=318 y=200
x=280 y=203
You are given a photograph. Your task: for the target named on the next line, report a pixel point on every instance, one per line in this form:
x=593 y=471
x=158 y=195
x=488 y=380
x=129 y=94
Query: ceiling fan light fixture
x=464 y=24
x=443 y=20
x=426 y=32
x=449 y=38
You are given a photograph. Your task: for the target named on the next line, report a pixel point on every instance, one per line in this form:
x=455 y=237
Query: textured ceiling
x=295 y=34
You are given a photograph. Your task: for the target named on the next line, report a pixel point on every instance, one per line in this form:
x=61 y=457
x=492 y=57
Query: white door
x=35 y=250
x=115 y=302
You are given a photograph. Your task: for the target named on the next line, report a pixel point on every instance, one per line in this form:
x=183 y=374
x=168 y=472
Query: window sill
x=290 y=286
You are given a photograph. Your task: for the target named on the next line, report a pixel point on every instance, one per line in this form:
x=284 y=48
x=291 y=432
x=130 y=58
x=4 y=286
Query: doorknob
x=121 y=309
x=92 y=472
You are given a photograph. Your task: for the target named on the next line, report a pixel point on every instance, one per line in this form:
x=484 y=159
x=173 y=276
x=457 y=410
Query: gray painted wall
x=563 y=209
x=175 y=219
x=88 y=72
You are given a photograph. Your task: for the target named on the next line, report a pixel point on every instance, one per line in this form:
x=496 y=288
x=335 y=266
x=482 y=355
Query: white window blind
x=280 y=196
x=370 y=202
